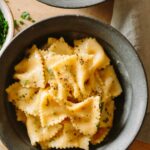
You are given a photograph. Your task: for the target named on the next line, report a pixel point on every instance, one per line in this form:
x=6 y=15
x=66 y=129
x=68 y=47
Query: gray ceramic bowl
x=130 y=106
x=71 y=3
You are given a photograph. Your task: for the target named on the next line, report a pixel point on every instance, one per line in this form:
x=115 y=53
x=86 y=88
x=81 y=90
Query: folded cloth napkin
x=131 y=18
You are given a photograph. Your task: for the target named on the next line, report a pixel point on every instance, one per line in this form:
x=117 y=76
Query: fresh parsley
x=26 y=16
x=3 y=29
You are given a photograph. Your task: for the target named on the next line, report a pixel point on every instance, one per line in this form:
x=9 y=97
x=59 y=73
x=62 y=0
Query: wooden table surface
x=41 y=11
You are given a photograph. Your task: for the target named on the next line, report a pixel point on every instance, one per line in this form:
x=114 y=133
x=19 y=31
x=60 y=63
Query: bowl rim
x=9 y=18
x=109 y=27
x=75 y=4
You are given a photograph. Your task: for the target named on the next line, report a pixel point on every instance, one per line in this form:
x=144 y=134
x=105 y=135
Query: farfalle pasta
x=65 y=94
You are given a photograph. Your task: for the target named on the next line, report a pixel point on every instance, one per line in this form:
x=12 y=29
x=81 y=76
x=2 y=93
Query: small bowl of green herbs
x=6 y=26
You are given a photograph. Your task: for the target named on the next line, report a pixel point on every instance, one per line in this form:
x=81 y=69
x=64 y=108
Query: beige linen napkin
x=131 y=17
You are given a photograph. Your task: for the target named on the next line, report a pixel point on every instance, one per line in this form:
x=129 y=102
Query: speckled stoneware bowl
x=130 y=106
x=71 y=3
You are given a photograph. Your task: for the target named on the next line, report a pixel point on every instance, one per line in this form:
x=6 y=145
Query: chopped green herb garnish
x=21 y=22
x=25 y=15
x=16 y=24
x=3 y=29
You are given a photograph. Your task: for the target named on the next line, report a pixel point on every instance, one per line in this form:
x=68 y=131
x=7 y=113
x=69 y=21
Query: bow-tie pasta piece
x=16 y=92
x=23 y=98
x=30 y=70
x=21 y=116
x=84 y=63
x=91 y=46
x=37 y=133
x=100 y=135
x=94 y=85
x=51 y=110
x=50 y=41
x=61 y=47
x=86 y=115
x=107 y=113
x=112 y=86
x=106 y=121
x=65 y=77
x=69 y=137
x=50 y=59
